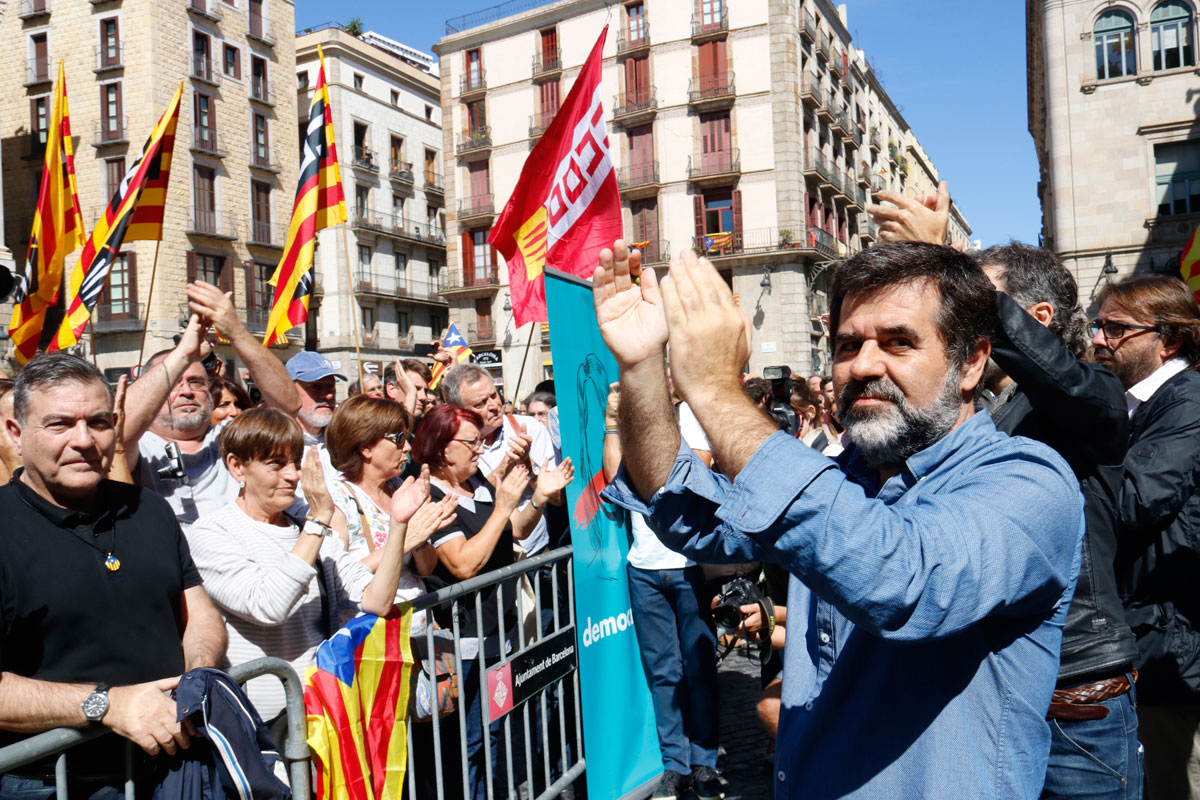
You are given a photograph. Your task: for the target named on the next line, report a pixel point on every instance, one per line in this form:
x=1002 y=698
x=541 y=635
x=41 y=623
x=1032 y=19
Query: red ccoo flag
x=565 y=208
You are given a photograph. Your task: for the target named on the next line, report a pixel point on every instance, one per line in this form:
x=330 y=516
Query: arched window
x=1116 y=55
x=1171 y=35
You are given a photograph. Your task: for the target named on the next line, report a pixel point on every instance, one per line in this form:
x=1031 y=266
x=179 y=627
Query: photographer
x=678 y=650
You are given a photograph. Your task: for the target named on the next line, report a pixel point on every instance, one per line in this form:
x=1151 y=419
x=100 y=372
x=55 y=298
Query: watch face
x=95 y=705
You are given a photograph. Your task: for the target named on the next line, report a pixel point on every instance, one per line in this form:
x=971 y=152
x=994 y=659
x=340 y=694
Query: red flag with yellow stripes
x=1189 y=263
x=134 y=212
x=57 y=231
x=320 y=203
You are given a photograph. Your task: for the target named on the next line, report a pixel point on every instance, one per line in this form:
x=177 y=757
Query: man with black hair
x=925 y=606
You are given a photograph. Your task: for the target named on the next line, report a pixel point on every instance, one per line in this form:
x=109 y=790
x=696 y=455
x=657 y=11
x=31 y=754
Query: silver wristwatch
x=95 y=705
x=317 y=528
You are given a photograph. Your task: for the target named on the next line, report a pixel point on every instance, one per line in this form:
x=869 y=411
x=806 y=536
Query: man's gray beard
x=889 y=435
x=315 y=418
x=188 y=423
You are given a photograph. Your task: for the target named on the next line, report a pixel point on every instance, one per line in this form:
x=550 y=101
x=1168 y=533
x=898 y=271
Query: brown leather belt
x=1080 y=702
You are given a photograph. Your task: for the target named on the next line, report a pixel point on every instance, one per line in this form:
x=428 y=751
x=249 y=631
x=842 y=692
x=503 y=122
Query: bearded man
x=925 y=602
x=169 y=443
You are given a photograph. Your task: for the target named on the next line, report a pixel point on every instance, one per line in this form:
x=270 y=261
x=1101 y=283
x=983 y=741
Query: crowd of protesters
x=982 y=522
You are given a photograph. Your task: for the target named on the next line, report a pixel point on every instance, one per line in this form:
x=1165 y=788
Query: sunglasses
x=1116 y=330
x=398 y=439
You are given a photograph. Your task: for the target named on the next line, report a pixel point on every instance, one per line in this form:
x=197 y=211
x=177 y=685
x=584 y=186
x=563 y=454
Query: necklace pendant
x=112 y=563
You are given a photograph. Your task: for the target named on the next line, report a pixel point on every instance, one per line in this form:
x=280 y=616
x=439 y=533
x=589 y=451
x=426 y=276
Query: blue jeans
x=1097 y=758
x=13 y=787
x=679 y=657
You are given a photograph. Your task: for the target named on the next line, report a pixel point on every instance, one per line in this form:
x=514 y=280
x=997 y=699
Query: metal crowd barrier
x=59 y=740
x=539 y=668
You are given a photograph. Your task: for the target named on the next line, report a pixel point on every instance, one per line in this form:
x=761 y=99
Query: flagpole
x=149 y=298
x=353 y=316
x=92 y=331
x=521 y=374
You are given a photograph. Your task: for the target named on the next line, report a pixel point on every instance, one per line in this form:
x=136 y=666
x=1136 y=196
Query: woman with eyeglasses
x=369 y=441
x=480 y=540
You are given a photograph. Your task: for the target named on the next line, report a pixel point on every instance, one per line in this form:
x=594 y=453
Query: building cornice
x=533 y=19
x=339 y=44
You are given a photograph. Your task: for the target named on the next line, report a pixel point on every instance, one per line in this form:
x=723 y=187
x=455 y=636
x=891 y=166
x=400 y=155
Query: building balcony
x=709 y=26
x=396 y=226
x=826 y=108
x=539 y=122
x=401 y=172
x=633 y=42
x=653 y=252
x=261 y=92
x=893 y=154
x=266 y=234
x=823 y=46
x=209 y=9
x=810 y=90
x=866 y=228
x=873 y=141
x=856 y=133
x=547 y=65
x=33 y=8
x=835 y=62
x=396 y=286
x=864 y=177
x=474 y=82
x=635 y=106
x=715 y=168
x=202 y=70
x=711 y=91
x=638 y=180
x=261 y=158
x=364 y=159
x=37 y=72
x=835 y=181
x=476 y=142
x=207 y=142
x=823 y=242
x=109 y=57
x=116 y=316
x=112 y=131
x=475 y=208
x=256 y=318
x=479 y=332
x=818 y=166
x=213 y=224
x=435 y=184
x=473 y=280
x=856 y=198
x=840 y=123
x=259 y=29
x=808 y=27
x=808 y=242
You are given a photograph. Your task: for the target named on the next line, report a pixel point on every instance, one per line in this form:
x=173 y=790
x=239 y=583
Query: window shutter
x=468 y=258
x=120 y=112
x=191 y=266
x=698 y=211
x=248 y=276
x=737 y=219
x=226 y=280
x=131 y=266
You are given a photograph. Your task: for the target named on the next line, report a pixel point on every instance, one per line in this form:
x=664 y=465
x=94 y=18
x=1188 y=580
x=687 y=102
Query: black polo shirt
x=64 y=616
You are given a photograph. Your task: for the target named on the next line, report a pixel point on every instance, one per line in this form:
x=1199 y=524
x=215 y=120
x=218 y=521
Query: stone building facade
x=384 y=283
x=1113 y=108
x=233 y=173
x=757 y=119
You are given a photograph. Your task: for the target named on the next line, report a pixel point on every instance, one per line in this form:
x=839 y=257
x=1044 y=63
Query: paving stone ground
x=744 y=766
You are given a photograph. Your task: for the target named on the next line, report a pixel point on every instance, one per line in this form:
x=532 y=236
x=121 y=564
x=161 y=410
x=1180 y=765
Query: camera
x=173 y=469
x=733 y=595
x=779 y=407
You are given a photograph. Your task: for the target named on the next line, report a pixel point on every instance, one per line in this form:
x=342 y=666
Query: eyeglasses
x=398 y=438
x=1116 y=330
x=474 y=444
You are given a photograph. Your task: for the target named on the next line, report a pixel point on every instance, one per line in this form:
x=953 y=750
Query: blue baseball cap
x=308 y=366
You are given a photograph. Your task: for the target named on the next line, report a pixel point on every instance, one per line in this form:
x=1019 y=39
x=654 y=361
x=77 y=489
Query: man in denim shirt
x=932 y=564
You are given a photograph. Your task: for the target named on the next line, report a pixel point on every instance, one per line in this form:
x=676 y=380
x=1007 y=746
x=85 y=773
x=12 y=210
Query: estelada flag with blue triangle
x=457 y=345
x=1189 y=263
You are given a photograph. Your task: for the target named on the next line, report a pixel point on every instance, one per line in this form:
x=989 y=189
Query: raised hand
x=316 y=493
x=613 y=406
x=410 y=496
x=552 y=481
x=215 y=307
x=512 y=488
x=117 y=468
x=914 y=219
x=433 y=515
x=630 y=315
x=407 y=389
x=710 y=339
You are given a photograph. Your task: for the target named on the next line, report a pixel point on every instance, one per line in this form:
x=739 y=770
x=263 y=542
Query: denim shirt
x=924 y=615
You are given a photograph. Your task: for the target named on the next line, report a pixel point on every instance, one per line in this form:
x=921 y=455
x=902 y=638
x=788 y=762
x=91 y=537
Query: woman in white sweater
x=281 y=579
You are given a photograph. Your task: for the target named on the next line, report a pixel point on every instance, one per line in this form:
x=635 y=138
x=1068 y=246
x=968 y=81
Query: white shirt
x=1144 y=389
x=208 y=486
x=541 y=450
x=647 y=551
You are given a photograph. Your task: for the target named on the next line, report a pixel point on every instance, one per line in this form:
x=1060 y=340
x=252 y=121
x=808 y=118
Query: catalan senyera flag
x=57 y=231
x=717 y=241
x=565 y=208
x=320 y=203
x=1189 y=263
x=135 y=212
x=356 y=702
x=457 y=345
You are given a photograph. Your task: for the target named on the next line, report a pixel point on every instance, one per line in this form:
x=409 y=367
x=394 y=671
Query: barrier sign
x=530 y=671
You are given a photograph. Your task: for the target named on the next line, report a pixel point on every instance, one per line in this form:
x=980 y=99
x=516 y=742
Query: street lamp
x=765 y=283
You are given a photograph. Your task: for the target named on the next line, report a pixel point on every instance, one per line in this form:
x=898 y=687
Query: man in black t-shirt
x=101 y=607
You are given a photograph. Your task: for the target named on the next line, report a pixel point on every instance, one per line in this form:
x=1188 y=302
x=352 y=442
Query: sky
x=956 y=70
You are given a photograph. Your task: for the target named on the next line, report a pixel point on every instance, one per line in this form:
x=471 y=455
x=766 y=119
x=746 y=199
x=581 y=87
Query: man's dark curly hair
x=1031 y=275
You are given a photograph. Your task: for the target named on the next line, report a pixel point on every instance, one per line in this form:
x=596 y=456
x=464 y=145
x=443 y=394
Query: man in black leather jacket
x=1148 y=332
x=1041 y=389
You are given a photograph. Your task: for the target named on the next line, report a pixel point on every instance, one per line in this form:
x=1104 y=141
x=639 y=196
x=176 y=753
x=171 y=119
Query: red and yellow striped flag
x=57 y=231
x=134 y=212
x=320 y=203
x=1189 y=263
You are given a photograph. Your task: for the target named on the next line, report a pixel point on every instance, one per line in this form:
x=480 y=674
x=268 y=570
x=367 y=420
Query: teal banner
x=620 y=742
